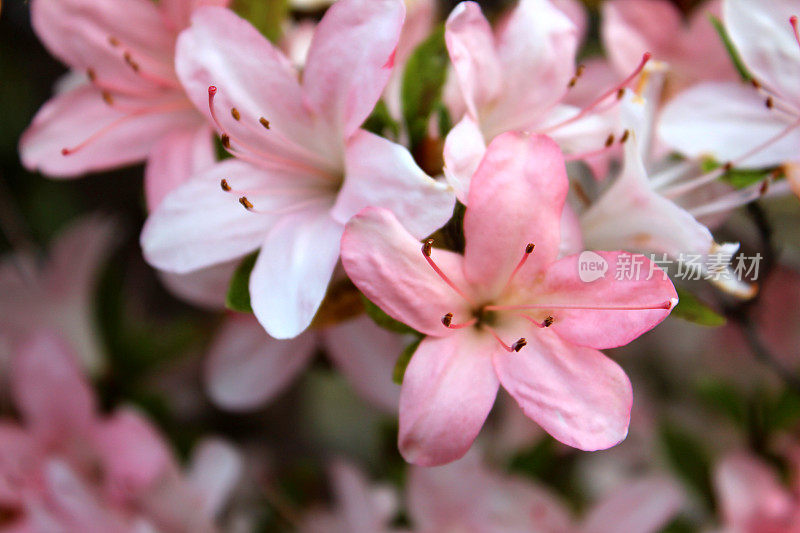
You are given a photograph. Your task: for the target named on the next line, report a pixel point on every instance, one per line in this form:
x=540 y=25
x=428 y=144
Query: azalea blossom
x=129 y=105
x=57 y=293
x=754 y=125
x=515 y=79
x=506 y=312
x=302 y=166
x=68 y=468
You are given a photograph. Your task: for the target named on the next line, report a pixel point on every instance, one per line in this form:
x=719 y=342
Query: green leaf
x=423 y=81
x=692 y=309
x=238 y=297
x=266 y=15
x=736 y=177
x=783 y=412
x=380 y=121
x=724 y=398
x=689 y=458
x=732 y=52
x=402 y=362
x=385 y=321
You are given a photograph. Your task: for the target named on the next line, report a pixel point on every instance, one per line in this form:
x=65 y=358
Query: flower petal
x=448 y=390
x=523 y=181
x=725 y=121
x=214 y=470
x=177 y=157
x=578 y=395
x=206 y=288
x=471 y=46
x=643 y=506
x=180 y=11
x=293 y=270
x=386 y=264
x=246 y=368
x=649 y=286
x=380 y=173
x=351 y=59
x=463 y=150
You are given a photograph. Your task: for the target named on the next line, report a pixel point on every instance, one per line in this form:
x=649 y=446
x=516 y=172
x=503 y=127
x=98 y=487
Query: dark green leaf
x=692 y=309
x=383 y=320
x=380 y=121
x=732 y=52
x=724 y=398
x=423 y=80
x=402 y=361
x=784 y=411
x=689 y=459
x=238 y=297
x=266 y=15
x=736 y=177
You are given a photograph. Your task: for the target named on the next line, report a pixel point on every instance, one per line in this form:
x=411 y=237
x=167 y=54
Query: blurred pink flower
x=57 y=293
x=130 y=106
x=503 y=287
x=302 y=166
x=756 y=127
x=68 y=468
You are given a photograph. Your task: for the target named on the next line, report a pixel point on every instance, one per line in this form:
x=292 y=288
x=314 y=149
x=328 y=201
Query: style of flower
x=127 y=105
x=302 y=166
x=506 y=312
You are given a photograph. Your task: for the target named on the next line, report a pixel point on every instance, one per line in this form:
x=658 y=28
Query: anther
x=548 y=321
x=727 y=167
x=520 y=344
x=609 y=140
x=620 y=93
x=113 y=41
x=447 y=320
x=224 y=185
x=578 y=73
x=235 y=114
x=226 y=140
x=427 y=246
x=624 y=138
x=129 y=60
x=764 y=187
x=107 y=98
x=264 y=122
x=91 y=74
x=529 y=248
x=246 y=203
x=770 y=103
x=755 y=83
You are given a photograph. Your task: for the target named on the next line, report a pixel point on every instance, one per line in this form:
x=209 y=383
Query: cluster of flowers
x=263 y=166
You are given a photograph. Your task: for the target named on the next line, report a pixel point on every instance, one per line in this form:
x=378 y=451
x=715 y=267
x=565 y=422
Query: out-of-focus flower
x=507 y=284
x=754 y=126
x=468 y=496
x=246 y=367
x=68 y=468
x=751 y=498
x=57 y=293
x=692 y=50
x=130 y=106
x=515 y=79
x=302 y=168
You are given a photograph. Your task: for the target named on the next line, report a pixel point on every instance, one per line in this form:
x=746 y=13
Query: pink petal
x=180 y=11
x=246 y=368
x=359 y=504
x=464 y=148
x=448 y=390
x=133 y=454
x=764 y=39
x=351 y=59
x=471 y=46
x=380 y=173
x=725 y=121
x=206 y=288
x=53 y=397
x=576 y=12
x=214 y=469
x=199 y=225
x=69 y=119
x=18 y=463
x=536 y=42
x=523 y=180
x=643 y=506
x=600 y=329
x=578 y=395
x=177 y=157
x=293 y=270
x=386 y=264
x=366 y=354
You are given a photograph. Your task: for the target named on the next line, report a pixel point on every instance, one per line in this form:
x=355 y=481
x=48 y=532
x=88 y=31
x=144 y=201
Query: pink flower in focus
x=506 y=312
x=302 y=166
x=67 y=468
x=755 y=126
x=130 y=107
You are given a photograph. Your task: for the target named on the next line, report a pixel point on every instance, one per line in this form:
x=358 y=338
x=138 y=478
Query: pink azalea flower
x=468 y=496
x=68 y=468
x=57 y=293
x=692 y=49
x=751 y=498
x=515 y=79
x=130 y=107
x=246 y=367
x=506 y=312
x=753 y=126
x=302 y=167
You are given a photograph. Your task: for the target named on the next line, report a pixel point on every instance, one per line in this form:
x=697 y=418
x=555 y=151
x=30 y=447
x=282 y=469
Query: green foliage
x=423 y=81
x=689 y=459
x=380 y=122
x=732 y=52
x=402 y=362
x=724 y=398
x=383 y=320
x=238 y=297
x=692 y=309
x=266 y=15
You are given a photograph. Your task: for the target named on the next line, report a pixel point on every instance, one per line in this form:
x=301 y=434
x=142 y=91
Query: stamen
x=625 y=135
x=520 y=344
x=246 y=203
x=578 y=74
x=107 y=98
x=235 y=114
x=91 y=74
x=663 y=305
x=131 y=63
x=113 y=41
x=282 y=210
x=528 y=251
x=427 y=247
x=447 y=320
x=224 y=185
x=226 y=140
x=619 y=89
x=517 y=346
x=264 y=122
x=734 y=199
x=546 y=323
